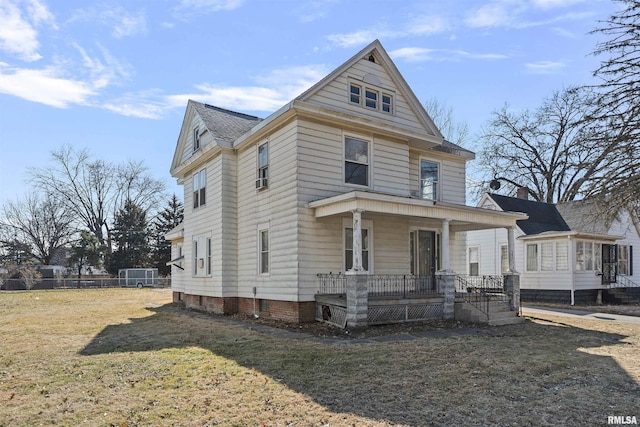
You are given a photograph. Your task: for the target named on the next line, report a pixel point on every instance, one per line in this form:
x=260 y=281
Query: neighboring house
x=564 y=253
x=352 y=177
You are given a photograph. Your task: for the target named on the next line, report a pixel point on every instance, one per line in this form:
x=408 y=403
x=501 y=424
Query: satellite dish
x=494 y=184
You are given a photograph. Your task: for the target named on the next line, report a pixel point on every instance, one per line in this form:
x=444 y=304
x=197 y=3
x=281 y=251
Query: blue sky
x=115 y=76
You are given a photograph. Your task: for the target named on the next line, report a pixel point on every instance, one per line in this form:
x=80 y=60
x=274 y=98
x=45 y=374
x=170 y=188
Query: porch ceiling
x=462 y=218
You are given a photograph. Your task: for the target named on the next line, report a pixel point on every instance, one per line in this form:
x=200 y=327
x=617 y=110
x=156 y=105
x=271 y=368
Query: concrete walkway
x=564 y=312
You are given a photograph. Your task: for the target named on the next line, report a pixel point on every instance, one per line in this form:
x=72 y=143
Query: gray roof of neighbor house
x=543 y=217
x=584 y=216
x=225 y=125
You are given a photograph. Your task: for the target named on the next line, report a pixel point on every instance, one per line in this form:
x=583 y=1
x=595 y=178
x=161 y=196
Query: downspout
x=572 y=255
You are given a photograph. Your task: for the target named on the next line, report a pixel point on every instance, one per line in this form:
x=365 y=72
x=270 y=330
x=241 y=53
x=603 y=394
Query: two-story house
x=350 y=177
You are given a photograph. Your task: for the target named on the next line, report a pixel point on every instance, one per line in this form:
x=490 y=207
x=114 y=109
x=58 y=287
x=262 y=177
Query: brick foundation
x=288 y=311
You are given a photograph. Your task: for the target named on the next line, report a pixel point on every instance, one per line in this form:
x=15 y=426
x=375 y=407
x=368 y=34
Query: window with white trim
x=199 y=188
x=371 y=98
x=263 y=165
x=588 y=256
x=196 y=139
x=264 y=251
x=546 y=256
x=532 y=257
x=429 y=172
x=625 y=260
x=208 y=240
x=195 y=257
x=356 y=161
x=504 y=258
x=348 y=248
x=387 y=103
x=474 y=263
x=562 y=256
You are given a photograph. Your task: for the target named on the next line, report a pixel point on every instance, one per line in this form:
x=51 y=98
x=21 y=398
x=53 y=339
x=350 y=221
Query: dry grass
x=123 y=357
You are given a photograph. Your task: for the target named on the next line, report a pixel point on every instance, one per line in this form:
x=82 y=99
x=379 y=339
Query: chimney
x=523 y=193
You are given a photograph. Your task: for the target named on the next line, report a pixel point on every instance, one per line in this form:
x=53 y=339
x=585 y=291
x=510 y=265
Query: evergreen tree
x=131 y=237
x=166 y=220
x=86 y=252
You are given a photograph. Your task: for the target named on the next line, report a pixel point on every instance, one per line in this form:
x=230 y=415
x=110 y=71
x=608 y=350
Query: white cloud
x=418 y=54
x=418 y=26
x=18 y=35
x=354 y=39
x=103 y=71
x=489 y=15
x=123 y=23
x=313 y=10
x=545 y=67
x=143 y=105
x=272 y=91
x=45 y=86
x=551 y=4
x=210 y=5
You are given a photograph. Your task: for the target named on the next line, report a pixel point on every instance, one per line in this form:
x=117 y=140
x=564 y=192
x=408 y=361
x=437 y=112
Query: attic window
x=372 y=59
x=196 y=139
x=371 y=97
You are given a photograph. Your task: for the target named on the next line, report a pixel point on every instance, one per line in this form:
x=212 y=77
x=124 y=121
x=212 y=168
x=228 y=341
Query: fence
x=75 y=283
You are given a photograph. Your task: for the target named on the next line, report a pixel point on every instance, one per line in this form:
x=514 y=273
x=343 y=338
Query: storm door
x=423 y=248
x=609 y=263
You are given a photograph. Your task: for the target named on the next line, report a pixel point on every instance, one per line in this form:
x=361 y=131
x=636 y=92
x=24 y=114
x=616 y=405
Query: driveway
x=607 y=317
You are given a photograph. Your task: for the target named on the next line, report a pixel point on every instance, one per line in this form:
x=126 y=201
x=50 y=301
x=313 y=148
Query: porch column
x=357 y=241
x=511 y=249
x=445 y=263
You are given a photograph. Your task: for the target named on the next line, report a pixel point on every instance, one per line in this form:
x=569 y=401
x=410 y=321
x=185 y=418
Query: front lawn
x=126 y=357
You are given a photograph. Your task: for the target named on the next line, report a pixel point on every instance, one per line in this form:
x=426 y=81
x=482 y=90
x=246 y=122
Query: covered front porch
x=415 y=242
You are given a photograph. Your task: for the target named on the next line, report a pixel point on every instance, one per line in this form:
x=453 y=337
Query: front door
x=609 y=263
x=423 y=257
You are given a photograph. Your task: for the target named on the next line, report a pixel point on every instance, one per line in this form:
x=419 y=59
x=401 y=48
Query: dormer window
x=371 y=99
x=374 y=98
x=387 y=104
x=196 y=139
x=355 y=93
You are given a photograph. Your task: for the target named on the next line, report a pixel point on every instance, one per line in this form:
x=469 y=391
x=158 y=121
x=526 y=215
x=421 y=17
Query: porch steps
x=618 y=296
x=499 y=313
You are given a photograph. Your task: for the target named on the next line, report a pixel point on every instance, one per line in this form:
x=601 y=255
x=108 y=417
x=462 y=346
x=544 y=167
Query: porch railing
x=623 y=282
x=479 y=291
x=398 y=285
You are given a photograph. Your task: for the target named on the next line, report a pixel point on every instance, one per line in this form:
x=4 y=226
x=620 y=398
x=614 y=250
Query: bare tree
x=442 y=115
x=558 y=151
x=618 y=106
x=42 y=224
x=95 y=190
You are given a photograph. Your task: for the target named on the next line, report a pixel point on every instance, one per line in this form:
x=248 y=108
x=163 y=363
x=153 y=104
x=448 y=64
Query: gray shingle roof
x=225 y=125
x=584 y=216
x=542 y=216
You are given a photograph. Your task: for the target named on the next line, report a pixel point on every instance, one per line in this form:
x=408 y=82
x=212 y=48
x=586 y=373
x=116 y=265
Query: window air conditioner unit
x=261 y=183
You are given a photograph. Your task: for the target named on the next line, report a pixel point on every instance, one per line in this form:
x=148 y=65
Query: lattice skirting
x=380 y=314
x=333 y=314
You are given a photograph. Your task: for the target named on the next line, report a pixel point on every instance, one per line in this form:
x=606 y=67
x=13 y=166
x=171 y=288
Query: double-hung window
x=428 y=180
x=474 y=263
x=208 y=240
x=625 y=260
x=263 y=166
x=532 y=257
x=387 y=103
x=371 y=99
x=356 y=162
x=355 y=93
x=199 y=188
x=264 y=251
x=196 y=139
